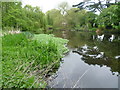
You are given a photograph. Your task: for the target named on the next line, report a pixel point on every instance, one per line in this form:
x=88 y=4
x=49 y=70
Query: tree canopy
x=32 y=19
x=97 y=5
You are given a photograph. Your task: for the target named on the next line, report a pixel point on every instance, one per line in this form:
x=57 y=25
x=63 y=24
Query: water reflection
x=92 y=55
x=93 y=61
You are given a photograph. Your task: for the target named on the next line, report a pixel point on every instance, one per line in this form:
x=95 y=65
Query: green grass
x=27 y=58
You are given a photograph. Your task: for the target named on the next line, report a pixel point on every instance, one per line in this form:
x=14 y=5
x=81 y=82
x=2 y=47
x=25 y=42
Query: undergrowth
x=26 y=59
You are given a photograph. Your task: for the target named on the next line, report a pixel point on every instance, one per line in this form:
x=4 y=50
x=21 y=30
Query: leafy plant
x=24 y=55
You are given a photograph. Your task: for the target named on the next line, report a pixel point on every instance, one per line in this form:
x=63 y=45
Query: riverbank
x=27 y=60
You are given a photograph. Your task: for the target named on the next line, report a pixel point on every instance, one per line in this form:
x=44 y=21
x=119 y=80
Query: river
x=92 y=61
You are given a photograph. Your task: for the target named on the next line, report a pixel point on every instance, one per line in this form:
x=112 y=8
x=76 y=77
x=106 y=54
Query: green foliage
x=90 y=18
x=55 y=18
x=72 y=18
x=59 y=42
x=80 y=20
x=63 y=7
x=108 y=18
x=49 y=19
x=10 y=13
x=26 y=19
x=93 y=29
x=24 y=55
x=32 y=19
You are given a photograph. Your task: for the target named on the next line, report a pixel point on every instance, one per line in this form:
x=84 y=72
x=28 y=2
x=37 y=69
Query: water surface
x=92 y=61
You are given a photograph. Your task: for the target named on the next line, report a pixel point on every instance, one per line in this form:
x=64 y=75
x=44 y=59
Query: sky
x=46 y=5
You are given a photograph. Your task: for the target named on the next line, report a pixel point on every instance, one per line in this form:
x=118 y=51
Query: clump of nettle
x=27 y=58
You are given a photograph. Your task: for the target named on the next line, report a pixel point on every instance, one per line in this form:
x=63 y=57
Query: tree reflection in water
x=95 y=51
x=92 y=55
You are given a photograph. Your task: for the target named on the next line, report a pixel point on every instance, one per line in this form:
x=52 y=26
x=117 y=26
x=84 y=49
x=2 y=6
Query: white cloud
x=46 y=5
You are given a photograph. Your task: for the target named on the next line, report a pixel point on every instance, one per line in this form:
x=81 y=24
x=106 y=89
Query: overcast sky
x=46 y=5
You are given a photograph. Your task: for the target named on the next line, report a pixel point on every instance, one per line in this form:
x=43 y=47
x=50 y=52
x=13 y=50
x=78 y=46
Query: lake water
x=92 y=61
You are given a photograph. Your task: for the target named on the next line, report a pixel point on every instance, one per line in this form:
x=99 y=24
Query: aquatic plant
x=26 y=61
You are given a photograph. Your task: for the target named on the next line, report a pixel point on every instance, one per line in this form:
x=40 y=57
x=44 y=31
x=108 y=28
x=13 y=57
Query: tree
x=10 y=13
x=63 y=7
x=94 y=6
x=49 y=19
x=27 y=18
x=108 y=18
x=54 y=18
x=80 y=20
x=90 y=19
x=74 y=19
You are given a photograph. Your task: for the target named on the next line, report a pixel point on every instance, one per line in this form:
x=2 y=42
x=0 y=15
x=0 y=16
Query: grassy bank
x=26 y=59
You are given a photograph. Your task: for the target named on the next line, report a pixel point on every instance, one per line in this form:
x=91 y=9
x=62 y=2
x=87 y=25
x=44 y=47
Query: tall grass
x=26 y=58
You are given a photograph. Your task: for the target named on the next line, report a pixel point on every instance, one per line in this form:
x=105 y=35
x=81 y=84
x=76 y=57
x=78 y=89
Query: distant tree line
x=28 y=18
